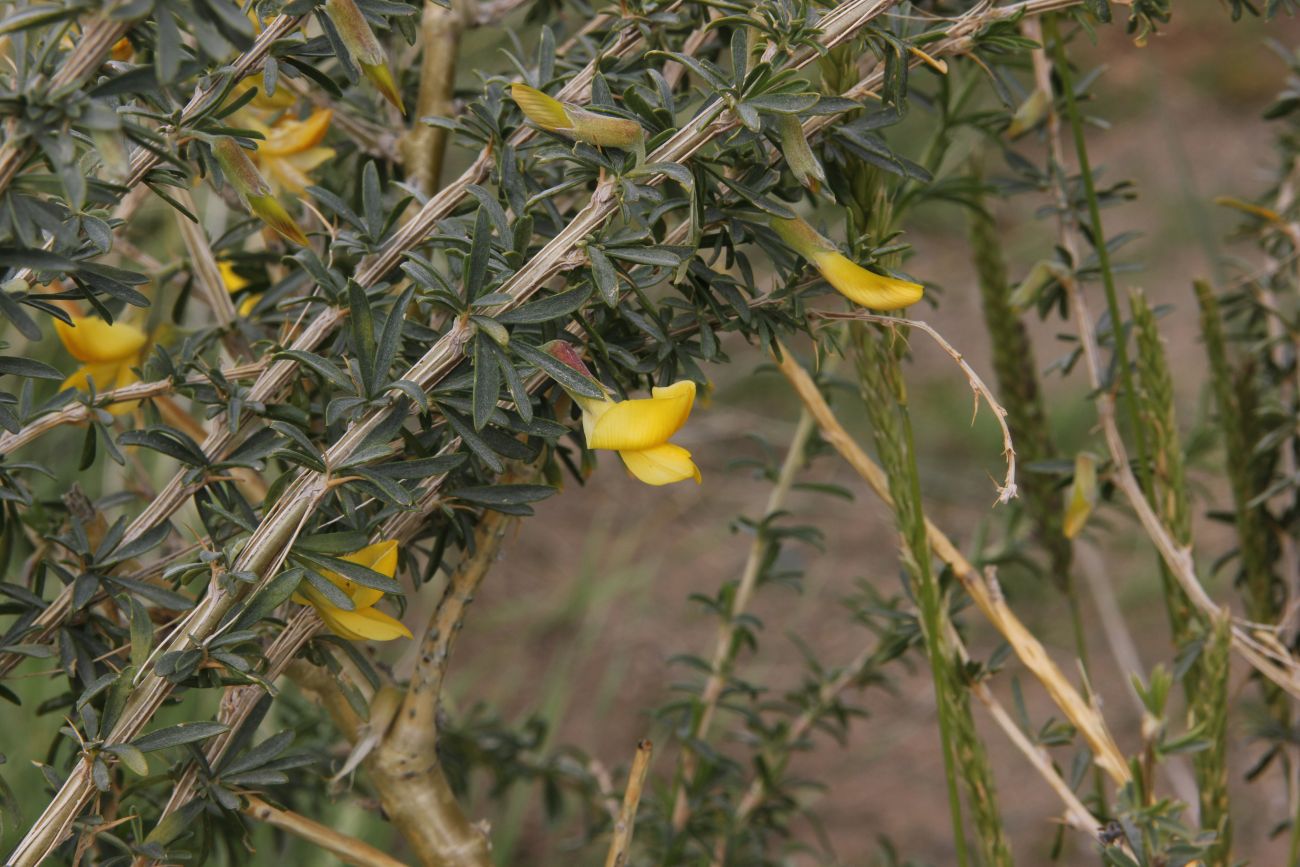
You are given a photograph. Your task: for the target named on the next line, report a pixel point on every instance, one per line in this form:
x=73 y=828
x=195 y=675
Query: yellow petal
x=246 y=306
x=545 y=111
x=228 y=276
x=291 y=172
x=866 y=287
x=290 y=136
x=661 y=465
x=644 y=423
x=282 y=99
x=381 y=557
x=107 y=376
x=122 y=49
x=91 y=339
x=364 y=624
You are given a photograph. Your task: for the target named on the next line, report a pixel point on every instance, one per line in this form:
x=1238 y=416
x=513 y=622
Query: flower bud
x=1083 y=494
x=1030 y=114
x=252 y=187
x=798 y=155
x=364 y=47
x=577 y=123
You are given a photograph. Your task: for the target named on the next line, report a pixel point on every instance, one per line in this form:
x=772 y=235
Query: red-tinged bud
x=563 y=352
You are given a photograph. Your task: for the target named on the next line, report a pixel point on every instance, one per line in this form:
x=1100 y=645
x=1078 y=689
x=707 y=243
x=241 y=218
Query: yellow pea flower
x=638 y=429
x=365 y=622
x=291 y=149
x=107 y=353
x=850 y=279
x=576 y=123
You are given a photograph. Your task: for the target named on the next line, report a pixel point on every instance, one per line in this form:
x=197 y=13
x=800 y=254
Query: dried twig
x=620 y=846
x=349 y=849
x=1007 y=489
x=982 y=590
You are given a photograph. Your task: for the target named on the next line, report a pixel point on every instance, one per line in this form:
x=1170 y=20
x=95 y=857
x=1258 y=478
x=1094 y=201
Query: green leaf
x=141 y=632
x=130 y=756
x=487 y=381
x=167 y=441
x=174 y=736
x=504 y=495
x=604 y=273
x=783 y=103
x=480 y=248
x=548 y=309
x=272 y=596
x=664 y=257
x=28 y=367
x=372 y=200
x=353 y=572
x=362 y=329
x=390 y=339
x=326 y=369
x=142 y=544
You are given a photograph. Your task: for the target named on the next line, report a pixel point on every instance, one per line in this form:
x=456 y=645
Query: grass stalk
x=885 y=396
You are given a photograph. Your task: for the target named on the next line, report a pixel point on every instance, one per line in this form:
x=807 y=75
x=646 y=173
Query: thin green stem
x=932 y=617
x=1052 y=34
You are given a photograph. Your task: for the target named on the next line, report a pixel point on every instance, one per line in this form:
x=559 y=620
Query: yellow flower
x=576 y=123
x=291 y=149
x=107 y=353
x=364 y=622
x=850 y=279
x=639 y=431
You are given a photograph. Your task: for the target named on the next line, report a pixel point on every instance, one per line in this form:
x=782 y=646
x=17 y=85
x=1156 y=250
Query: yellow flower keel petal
x=864 y=287
x=661 y=465
x=364 y=624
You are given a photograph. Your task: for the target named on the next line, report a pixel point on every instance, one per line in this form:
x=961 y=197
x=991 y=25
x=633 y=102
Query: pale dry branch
x=981 y=588
x=1007 y=489
x=349 y=849
x=621 y=846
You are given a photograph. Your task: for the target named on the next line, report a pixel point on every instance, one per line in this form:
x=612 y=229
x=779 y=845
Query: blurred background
x=577 y=624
